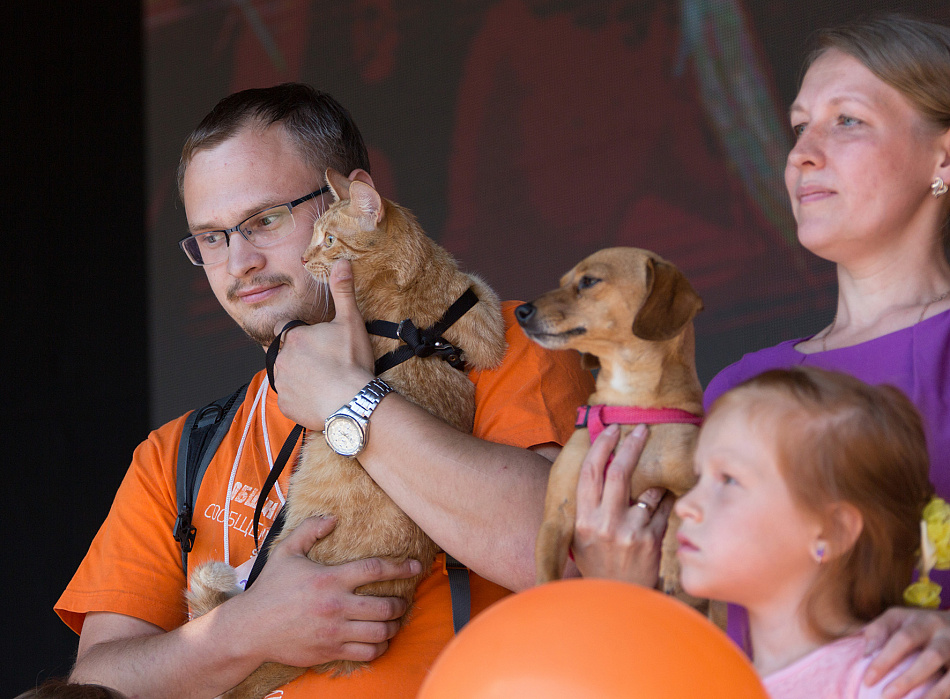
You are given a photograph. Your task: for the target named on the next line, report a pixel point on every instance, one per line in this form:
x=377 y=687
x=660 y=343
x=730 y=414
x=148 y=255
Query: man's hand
x=612 y=538
x=321 y=367
x=310 y=613
x=901 y=631
x=298 y=613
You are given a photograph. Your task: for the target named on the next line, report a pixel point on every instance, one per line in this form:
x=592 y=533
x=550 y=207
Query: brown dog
x=633 y=312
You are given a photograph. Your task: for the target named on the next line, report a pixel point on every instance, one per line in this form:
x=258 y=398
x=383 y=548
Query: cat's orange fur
x=398 y=273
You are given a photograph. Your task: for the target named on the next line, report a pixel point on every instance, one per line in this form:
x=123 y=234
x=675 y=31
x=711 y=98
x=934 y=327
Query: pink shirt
x=834 y=671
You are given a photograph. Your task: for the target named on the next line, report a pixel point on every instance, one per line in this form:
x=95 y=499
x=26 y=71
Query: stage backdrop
x=525 y=135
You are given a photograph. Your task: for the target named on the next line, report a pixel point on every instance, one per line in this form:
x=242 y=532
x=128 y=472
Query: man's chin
x=259 y=335
x=262 y=331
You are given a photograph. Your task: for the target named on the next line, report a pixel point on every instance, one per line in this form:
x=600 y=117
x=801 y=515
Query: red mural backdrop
x=525 y=134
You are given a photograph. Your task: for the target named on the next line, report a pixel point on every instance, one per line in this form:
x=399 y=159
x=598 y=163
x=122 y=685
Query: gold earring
x=939 y=187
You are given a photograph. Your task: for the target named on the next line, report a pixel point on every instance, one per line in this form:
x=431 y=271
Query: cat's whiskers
x=325 y=289
x=310 y=217
x=321 y=288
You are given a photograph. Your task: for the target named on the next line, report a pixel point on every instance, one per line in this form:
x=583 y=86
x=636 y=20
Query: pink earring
x=818 y=551
x=939 y=187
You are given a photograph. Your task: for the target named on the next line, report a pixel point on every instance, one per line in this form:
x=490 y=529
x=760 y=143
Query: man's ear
x=670 y=304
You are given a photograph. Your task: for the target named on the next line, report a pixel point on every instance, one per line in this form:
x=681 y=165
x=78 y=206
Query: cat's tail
x=212 y=584
x=483 y=337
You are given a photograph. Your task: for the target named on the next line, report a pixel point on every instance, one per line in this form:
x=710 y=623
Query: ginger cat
x=398 y=273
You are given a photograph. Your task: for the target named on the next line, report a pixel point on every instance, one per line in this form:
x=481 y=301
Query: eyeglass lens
x=262 y=229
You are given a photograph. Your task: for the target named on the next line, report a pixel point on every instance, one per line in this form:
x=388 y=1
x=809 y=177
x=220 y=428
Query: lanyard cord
x=276 y=468
x=234 y=467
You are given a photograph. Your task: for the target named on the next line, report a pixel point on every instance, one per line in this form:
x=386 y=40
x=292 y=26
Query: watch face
x=344 y=435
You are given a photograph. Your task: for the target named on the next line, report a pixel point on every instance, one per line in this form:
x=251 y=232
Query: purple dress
x=915 y=360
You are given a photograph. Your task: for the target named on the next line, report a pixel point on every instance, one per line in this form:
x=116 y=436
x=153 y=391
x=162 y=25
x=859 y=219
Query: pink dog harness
x=596 y=417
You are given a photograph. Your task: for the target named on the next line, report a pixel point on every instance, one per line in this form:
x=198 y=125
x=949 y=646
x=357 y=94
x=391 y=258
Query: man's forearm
x=298 y=613
x=482 y=502
x=199 y=659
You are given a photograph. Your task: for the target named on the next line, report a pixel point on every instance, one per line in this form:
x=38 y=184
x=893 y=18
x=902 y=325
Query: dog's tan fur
x=398 y=273
x=630 y=311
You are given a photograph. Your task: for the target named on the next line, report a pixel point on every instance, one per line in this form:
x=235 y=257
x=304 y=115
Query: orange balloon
x=586 y=638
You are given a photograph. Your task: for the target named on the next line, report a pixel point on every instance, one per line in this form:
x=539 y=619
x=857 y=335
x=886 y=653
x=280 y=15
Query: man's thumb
x=309 y=532
x=341 y=288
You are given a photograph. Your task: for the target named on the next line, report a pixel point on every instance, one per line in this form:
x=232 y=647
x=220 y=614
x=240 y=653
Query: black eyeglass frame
x=237 y=229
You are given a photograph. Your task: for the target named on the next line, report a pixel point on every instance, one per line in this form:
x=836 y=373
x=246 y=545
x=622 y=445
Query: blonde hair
x=910 y=55
x=843 y=441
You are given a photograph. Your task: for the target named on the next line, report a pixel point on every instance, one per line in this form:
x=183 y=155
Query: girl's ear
x=845 y=526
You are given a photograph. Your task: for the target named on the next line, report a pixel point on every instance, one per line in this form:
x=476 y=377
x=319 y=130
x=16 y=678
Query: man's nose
x=243 y=257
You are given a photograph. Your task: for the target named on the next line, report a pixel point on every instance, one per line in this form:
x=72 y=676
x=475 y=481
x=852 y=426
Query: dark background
x=75 y=389
x=112 y=332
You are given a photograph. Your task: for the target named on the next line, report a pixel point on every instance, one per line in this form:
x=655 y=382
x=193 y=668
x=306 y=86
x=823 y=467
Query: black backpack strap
x=265 y=548
x=460 y=591
x=202 y=434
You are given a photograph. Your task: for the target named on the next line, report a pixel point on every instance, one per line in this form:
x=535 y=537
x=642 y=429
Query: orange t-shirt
x=134 y=565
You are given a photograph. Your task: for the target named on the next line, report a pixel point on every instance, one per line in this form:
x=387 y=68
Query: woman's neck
x=880 y=296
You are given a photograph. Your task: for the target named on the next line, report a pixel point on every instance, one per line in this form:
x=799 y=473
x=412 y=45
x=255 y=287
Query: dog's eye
x=587 y=282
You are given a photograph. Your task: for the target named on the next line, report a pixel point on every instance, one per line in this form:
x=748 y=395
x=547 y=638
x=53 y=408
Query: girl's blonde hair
x=839 y=440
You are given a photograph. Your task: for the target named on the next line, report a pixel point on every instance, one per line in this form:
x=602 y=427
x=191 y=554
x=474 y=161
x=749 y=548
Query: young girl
x=807 y=513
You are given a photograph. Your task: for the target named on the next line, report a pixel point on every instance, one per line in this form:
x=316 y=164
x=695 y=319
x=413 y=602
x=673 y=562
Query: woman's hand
x=897 y=633
x=614 y=538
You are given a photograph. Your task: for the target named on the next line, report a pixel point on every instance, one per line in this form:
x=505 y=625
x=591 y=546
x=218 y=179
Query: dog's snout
x=525 y=312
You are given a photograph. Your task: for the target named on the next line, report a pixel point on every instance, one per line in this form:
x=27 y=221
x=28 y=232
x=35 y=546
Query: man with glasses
x=261 y=230
x=251 y=178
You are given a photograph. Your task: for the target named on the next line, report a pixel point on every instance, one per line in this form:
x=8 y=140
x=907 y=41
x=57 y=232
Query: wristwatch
x=347 y=430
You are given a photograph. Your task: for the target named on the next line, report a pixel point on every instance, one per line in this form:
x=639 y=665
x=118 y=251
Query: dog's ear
x=589 y=362
x=670 y=304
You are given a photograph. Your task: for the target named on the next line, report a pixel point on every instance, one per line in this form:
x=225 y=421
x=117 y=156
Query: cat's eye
x=328 y=241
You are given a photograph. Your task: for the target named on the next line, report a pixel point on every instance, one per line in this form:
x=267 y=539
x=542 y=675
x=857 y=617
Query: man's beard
x=319 y=309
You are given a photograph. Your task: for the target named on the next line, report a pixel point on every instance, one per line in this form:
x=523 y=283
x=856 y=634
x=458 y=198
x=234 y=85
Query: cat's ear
x=339 y=185
x=367 y=202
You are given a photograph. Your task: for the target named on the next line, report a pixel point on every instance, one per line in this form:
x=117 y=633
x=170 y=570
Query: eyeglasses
x=261 y=230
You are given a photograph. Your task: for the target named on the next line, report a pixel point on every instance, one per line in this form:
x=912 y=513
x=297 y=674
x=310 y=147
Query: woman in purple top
x=867 y=182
